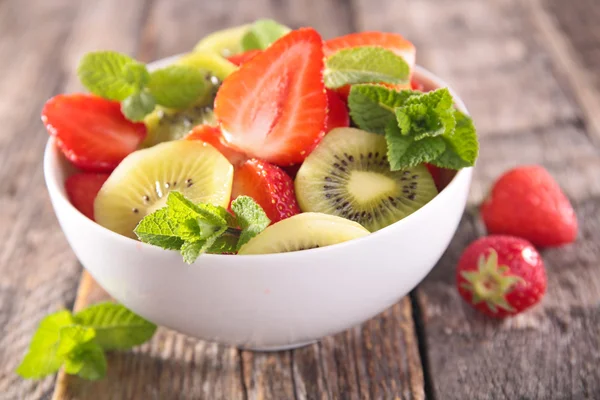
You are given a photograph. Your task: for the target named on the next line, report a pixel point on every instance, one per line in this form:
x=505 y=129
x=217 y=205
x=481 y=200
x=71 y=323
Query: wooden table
x=529 y=72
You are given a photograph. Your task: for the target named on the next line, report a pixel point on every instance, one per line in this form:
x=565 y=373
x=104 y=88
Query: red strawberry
x=241 y=58
x=501 y=275
x=274 y=106
x=527 y=202
x=91 y=131
x=82 y=189
x=269 y=186
x=292 y=170
x=212 y=135
x=337 y=113
x=416 y=85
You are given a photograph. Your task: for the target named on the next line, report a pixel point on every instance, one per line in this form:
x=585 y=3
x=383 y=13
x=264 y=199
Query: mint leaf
x=160 y=229
x=372 y=107
x=72 y=336
x=364 y=65
x=462 y=146
x=251 y=218
x=405 y=152
x=262 y=34
x=177 y=86
x=227 y=243
x=116 y=327
x=192 y=250
x=112 y=75
x=42 y=358
x=427 y=114
x=182 y=209
x=137 y=106
x=87 y=360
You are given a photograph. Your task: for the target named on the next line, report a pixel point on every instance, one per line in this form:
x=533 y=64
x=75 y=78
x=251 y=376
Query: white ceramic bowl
x=264 y=302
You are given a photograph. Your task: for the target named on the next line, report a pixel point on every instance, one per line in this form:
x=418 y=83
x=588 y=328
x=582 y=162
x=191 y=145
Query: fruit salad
x=262 y=139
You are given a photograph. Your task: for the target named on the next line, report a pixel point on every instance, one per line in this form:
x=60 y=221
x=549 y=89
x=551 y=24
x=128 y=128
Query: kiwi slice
x=210 y=63
x=141 y=182
x=164 y=124
x=302 y=232
x=348 y=175
x=225 y=42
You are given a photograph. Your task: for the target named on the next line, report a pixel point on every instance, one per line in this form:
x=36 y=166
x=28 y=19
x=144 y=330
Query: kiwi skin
x=348 y=175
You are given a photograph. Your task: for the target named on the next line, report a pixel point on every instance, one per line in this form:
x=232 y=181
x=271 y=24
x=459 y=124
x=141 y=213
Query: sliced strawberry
x=390 y=41
x=337 y=112
x=274 y=106
x=91 y=131
x=82 y=189
x=241 y=58
x=416 y=85
x=212 y=135
x=269 y=186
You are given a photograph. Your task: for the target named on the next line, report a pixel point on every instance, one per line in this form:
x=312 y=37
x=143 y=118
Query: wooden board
x=528 y=72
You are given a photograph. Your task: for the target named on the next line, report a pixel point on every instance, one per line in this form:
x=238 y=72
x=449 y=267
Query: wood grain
x=500 y=57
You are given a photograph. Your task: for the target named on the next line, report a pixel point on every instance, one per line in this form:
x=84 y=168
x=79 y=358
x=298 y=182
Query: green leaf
x=427 y=114
x=41 y=358
x=116 y=327
x=405 y=152
x=182 y=209
x=177 y=86
x=72 y=336
x=372 y=107
x=137 y=106
x=364 y=65
x=192 y=250
x=87 y=361
x=227 y=243
x=112 y=75
x=251 y=218
x=262 y=34
x=160 y=229
x=462 y=146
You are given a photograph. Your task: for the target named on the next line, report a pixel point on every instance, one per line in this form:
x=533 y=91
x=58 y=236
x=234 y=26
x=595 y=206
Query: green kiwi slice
x=348 y=175
x=141 y=182
x=164 y=125
x=302 y=232
x=225 y=42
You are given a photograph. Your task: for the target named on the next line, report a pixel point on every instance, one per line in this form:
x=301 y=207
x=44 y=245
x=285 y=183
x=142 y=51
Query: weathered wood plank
x=495 y=53
x=550 y=351
x=38 y=273
x=572 y=36
x=379 y=359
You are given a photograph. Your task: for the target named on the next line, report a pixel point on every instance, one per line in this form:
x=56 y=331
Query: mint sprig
x=118 y=77
x=262 y=33
x=78 y=342
x=364 y=65
x=195 y=229
x=419 y=127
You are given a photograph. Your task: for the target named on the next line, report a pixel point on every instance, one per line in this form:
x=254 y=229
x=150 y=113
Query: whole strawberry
x=501 y=275
x=527 y=202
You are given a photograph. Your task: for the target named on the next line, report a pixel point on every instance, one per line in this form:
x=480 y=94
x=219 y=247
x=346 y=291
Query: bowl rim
x=52 y=155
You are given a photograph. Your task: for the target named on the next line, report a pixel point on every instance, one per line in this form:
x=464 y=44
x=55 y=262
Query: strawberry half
x=241 y=58
x=337 y=112
x=91 y=132
x=274 y=106
x=212 y=135
x=269 y=186
x=82 y=189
